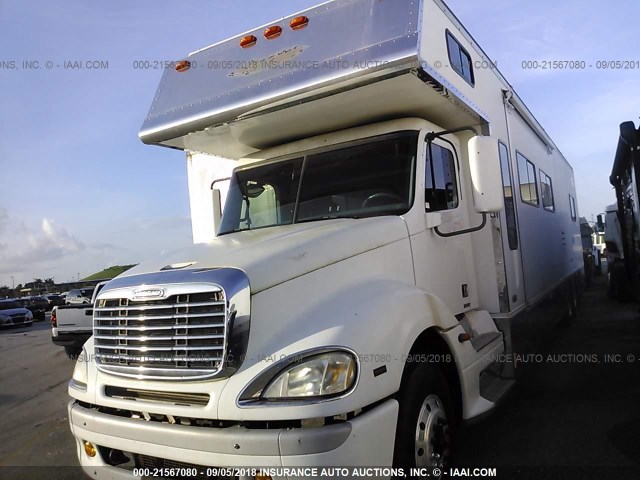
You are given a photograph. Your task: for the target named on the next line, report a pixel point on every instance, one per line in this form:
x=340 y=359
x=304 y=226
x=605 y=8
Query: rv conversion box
x=392 y=210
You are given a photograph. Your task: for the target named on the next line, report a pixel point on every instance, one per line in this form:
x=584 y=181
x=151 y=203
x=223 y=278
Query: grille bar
x=157 y=372
x=156 y=307
x=142 y=318
x=157 y=358
x=178 y=398
x=178 y=348
x=158 y=337
x=159 y=327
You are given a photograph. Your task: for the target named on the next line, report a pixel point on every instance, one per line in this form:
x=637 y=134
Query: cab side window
x=441 y=186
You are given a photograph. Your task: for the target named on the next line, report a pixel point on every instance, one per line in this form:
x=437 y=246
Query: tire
x=73 y=352
x=574 y=299
x=571 y=301
x=426 y=420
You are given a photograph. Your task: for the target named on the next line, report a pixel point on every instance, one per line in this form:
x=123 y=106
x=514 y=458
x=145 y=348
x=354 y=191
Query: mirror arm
x=431 y=136
x=219 y=180
x=462 y=232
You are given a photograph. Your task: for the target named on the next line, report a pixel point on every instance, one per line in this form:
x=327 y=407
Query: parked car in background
x=36 y=307
x=11 y=313
x=53 y=299
x=40 y=301
x=79 y=296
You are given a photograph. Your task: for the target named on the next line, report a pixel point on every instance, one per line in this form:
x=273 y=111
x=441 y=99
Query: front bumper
x=14 y=322
x=366 y=440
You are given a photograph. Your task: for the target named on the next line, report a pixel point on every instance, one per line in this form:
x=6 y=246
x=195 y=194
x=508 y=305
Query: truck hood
x=273 y=255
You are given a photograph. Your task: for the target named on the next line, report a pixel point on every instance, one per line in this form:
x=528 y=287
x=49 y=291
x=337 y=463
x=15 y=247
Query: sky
x=78 y=190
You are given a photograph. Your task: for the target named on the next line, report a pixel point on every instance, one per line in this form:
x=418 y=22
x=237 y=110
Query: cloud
x=24 y=249
x=156 y=224
x=4 y=219
x=106 y=246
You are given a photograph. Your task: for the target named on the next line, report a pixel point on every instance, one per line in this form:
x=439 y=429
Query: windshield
x=370 y=178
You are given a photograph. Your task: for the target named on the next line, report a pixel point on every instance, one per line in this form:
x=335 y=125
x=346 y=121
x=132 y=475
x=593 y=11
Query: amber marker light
x=183 y=66
x=248 y=41
x=273 y=32
x=90 y=449
x=299 y=23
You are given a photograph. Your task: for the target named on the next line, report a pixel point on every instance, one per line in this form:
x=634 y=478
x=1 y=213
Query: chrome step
x=493 y=386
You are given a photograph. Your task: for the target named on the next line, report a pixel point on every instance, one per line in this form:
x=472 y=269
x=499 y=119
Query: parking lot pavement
x=34 y=431
x=564 y=411
x=568 y=411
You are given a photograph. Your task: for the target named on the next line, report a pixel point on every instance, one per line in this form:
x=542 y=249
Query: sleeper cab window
x=460 y=59
x=572 y=208
x=546 y=190
x=528 y=183
x=440 y=187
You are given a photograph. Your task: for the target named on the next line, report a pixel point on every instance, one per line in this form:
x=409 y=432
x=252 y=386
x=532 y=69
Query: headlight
x=316 y=375
x=80 y=375
x=29 y=316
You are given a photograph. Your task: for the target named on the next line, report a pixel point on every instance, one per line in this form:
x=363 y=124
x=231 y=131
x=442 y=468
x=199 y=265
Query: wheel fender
x=378 y=320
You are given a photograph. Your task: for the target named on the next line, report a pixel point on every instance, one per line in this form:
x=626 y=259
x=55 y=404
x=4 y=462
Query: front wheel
x=426 y=420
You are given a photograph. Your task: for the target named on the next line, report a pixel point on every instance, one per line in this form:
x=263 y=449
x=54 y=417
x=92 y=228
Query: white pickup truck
x=72 y=325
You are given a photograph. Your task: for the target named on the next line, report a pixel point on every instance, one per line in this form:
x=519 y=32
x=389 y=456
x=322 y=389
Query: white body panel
x=202 y=171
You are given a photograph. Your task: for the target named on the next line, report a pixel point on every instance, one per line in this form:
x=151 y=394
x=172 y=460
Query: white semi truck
x=393 y=214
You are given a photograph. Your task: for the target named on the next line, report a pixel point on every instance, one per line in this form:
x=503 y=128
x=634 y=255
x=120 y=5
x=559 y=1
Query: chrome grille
x=183 y=335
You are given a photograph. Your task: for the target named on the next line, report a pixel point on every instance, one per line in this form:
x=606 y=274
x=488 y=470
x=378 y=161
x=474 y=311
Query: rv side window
x=528 y=184
x=460 y=59
x=572 y=206
x=441 y=188
x=546 y=189
x=509 y=204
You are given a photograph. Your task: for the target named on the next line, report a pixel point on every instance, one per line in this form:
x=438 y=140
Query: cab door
x=444 y=266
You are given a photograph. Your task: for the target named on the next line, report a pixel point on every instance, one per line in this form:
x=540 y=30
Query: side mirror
x=217 y=210
x=486 y=176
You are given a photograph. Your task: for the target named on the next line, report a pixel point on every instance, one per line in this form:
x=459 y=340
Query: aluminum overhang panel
x=344 y=39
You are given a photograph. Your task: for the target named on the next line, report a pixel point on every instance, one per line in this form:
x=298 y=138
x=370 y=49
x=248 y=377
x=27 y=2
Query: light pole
x=13 y=283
